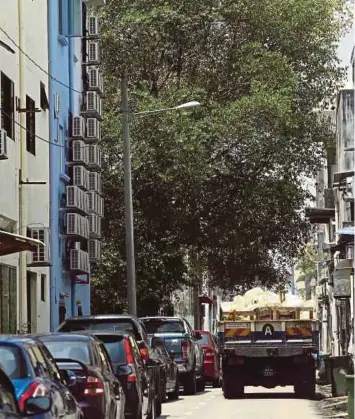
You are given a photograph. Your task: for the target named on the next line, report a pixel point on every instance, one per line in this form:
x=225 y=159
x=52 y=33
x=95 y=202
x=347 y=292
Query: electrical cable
x=37 y=65
x=37 y=136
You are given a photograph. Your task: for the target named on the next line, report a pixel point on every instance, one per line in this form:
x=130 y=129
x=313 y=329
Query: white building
x=24 y=164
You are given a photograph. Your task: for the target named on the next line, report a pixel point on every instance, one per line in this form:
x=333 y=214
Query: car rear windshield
x=115 y=348
x=12 y=362
x=204 y=340
x=164 y=326
x=116 y=325
x=77 y=350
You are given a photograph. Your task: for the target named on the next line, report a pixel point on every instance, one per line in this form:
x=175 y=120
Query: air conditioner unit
x=77 y=199
x=41 y=256
x=96 y=204
x=93 y=130
x=80 y=177
x=77 y=226
x=95 y=182
x=92 y=105
x=79 y=261
x=79 y=152
x=93 y=52
x=94 y=157
x=92 y=27
x=95 y=225
x=95 y=80
x=94 y=247
x=3 y=145
x=78 y=127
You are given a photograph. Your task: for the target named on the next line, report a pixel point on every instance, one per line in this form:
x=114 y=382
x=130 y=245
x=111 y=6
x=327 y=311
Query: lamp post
x=130 y=257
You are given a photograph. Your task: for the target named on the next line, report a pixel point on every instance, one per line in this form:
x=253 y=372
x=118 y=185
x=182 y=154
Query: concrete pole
x=23 y=320
x=130 y=260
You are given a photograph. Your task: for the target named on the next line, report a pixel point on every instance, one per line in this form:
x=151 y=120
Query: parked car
x=169 y=370
x=120 y=323
x=9 y=408
x=96 y=388
x=211 y=360
x=124 y=352
x=34 y=373
x=179 y=338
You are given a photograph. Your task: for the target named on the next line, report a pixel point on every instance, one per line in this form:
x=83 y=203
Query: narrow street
x=259 y=403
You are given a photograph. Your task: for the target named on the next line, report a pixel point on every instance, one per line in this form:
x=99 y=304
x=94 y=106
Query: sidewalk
x=331 y=407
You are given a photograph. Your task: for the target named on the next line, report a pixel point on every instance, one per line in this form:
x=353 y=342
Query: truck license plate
x=269 y=372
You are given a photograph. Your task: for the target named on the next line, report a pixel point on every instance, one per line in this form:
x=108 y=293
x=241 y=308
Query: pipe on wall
x=23 y=320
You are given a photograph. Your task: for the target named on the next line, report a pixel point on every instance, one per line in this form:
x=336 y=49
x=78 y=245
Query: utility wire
x=37 y=136
x=37 y=65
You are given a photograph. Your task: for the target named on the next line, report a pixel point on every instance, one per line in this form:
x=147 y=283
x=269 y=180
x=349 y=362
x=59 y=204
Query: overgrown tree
x=224 y=180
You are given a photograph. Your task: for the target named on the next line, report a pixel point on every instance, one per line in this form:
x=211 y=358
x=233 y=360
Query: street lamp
x=130 y=259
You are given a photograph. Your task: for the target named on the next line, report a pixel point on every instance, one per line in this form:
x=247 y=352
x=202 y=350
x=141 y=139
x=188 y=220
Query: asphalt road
x=259 y=403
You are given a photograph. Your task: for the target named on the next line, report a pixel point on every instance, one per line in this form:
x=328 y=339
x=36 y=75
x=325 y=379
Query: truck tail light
x=185 y=346
x=132 y=378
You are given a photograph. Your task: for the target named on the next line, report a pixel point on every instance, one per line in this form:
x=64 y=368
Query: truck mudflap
x=269 y=350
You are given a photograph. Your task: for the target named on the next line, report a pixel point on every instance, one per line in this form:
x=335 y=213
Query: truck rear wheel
x=233 y=389
x=306 y=388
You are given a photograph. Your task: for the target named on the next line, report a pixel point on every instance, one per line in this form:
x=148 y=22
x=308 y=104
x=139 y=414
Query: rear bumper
x=268 y=350
x=92 y=411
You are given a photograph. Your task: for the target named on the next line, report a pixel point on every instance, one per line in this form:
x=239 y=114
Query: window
x=60 y=17
x=30 y=126
x=61 y=149
x=43 y=96
x=43 y=287
x=8 y=299
x=104 y=358
x=38 y=362
x=7 y=106
x=12 y=362
x=52 y=366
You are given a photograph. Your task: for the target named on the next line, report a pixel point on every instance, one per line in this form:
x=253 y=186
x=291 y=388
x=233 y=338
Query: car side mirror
x=124 y=370
x=37 y=405
x=197 y=335
x=69 y=377
x=172 y=355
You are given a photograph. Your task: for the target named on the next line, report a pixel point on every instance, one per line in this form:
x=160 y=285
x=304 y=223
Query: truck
x=269 y=347
x=182 y=342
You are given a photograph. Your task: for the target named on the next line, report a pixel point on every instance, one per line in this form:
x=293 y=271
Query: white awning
x=13 y=243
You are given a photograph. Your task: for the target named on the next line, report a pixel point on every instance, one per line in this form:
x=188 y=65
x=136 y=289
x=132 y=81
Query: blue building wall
x=61 y=86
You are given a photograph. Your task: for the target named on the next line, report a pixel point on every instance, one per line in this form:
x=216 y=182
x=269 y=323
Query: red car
x=211 y=363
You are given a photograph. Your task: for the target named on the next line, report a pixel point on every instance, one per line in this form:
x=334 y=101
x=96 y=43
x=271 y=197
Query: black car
x=97 y=390
x=124 y=352
x=9 y=408
x=169 y=369
x=119 y=323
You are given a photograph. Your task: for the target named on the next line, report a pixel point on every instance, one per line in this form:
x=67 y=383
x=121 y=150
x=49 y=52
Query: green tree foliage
x=224 y=180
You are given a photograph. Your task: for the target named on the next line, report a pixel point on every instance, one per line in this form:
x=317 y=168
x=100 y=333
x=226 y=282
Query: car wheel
x=176 y=393
x=190 y=383
x=216 y=383
x=153 y=412
x=201 y=385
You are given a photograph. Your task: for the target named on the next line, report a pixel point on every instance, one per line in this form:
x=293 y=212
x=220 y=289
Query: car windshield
x=204 y=339
x=12 y=362
x=116 y=325
x=115 y=348
x=77 y=350
x=164 y=326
